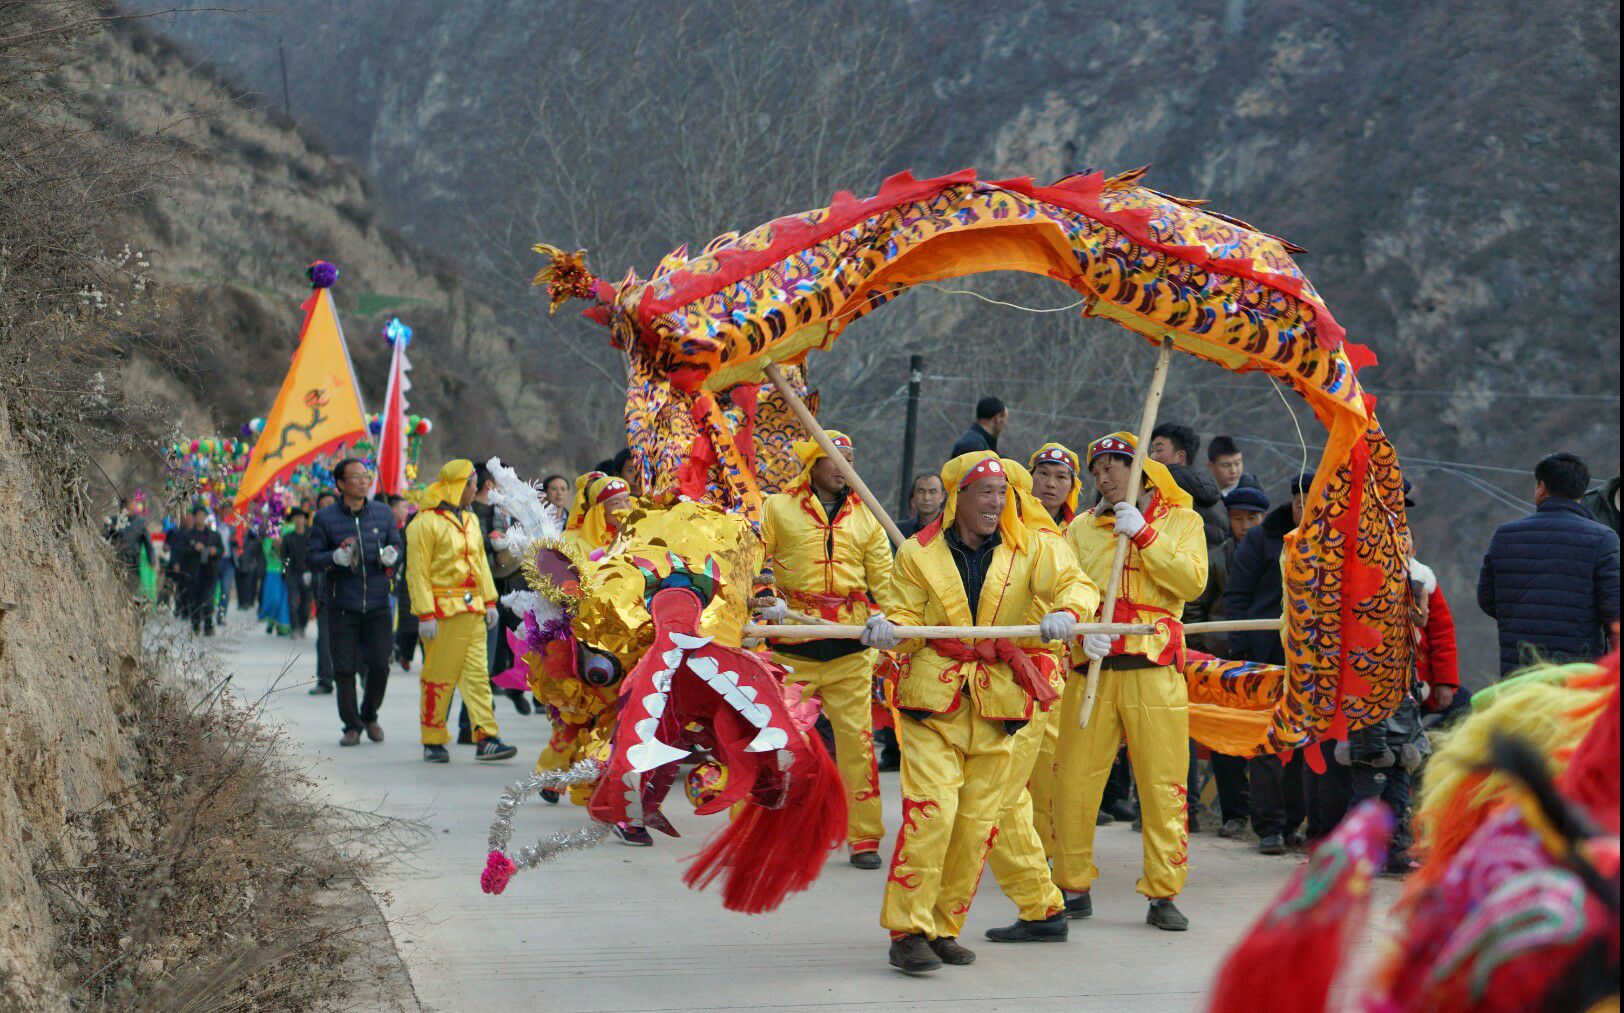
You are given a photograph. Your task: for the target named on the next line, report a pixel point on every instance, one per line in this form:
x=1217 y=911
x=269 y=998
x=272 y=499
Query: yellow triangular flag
x=319 y=405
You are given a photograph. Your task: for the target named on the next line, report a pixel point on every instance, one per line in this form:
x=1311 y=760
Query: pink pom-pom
x=499 y=868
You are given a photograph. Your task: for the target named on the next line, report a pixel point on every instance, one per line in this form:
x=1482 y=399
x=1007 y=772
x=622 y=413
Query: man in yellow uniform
x=1141 y=690
x=1018 y=858
x=828 y=556
x=962 y=700
x=592 y=524
x=455 y=601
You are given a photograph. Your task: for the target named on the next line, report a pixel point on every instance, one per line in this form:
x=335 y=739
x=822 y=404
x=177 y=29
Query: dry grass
x=216 y=879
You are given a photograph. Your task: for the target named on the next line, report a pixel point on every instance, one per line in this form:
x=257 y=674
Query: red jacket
x=1435 y=656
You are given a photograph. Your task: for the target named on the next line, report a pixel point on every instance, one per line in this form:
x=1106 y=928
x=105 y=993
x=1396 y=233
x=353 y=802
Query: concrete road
x=612 y=928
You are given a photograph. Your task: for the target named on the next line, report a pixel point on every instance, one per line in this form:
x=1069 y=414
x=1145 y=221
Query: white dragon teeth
x=655 y=703
x=749 y=693
x=672 y=658
x=646 y=728
x=688 y=643
x=662 y=680
x=757 y=714
x=629 y=779
x=768 y=738
x=646 y=756
x=786 y=759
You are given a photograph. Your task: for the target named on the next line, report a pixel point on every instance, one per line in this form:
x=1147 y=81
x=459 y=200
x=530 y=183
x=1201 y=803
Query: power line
x=1390 y=392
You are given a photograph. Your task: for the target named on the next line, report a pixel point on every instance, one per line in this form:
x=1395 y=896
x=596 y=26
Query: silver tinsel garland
x=583 y=772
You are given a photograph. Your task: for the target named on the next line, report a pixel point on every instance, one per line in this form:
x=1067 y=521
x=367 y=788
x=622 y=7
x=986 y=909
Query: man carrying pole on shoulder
x=828 y=556
x=1141 y=686
x=963 y=700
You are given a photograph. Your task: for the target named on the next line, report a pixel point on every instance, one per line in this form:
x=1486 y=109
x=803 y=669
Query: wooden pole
x=815 y=431
x=763 y=631
x=1113 y=587
x=1234 y=625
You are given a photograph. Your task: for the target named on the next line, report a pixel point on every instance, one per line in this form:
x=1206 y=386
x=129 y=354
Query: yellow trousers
x=454 y=661
x=1151 y=707
x=1018 y=860
x=1041 y=783
x=955 y=772
x=845 y=687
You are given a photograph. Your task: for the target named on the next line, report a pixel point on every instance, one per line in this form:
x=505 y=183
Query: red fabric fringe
x=764 y=855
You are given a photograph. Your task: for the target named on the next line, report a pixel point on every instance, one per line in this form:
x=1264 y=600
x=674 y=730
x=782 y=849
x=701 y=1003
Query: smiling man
x=963 y=700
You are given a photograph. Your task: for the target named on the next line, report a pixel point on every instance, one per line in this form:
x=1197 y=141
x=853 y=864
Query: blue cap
x=1247 y=498
x=1302 y=482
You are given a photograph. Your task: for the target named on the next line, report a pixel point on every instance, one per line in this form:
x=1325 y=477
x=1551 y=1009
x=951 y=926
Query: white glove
x=775 y=613
x=388 y=554
x=1096 y=646
x=879 y=632
x=427 y=628
x=491 y=617
x=1057 y=626
x=1129 y=521
x=304 y=578
x=344 y=554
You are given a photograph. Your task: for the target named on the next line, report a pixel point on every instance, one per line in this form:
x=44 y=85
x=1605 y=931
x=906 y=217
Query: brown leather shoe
x=351 y=738
x=374 y=731
x=951 y=952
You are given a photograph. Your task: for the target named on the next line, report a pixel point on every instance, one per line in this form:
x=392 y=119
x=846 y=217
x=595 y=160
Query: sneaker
x=1080 y=906
x=1048 y=930
x=549 y=796
x=494 y=748
x=1295 y=839
x=913 y=955
x=352 y=737
x=436 y=754
x=1165 y=916
x=1272 y=844
x=1232 y=828
x=1103 y=819
x=951 y=952
x=520 y=704
x=866 y=860
x=374 y=731
x=321 y=689
x=636 y=837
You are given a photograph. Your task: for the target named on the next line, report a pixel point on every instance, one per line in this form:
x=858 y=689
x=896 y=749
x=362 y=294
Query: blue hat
x=1247 y=498
x=1302 y=482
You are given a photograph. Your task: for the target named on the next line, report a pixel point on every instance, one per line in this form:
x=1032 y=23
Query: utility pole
x=282 y=58
x=916 y=375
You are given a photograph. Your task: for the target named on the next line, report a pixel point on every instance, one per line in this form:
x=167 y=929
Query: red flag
x=391 y=477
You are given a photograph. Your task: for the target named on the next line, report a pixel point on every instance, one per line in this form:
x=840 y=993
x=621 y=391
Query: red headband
x=841 y=442
x=1054 y=455
x=990 y=468
x=612 y=489
x=1109 y=445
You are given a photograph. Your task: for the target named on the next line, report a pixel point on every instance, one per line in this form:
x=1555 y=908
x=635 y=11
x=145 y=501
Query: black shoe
x=913 y=955
x=636 y=837
x=1080 y=907
x=549 y=796
x=951 y=952
x=1295 y=839
x=465 y=737
x=321 y=689
x=1272 y=844
x=1165 y=916
x=1123 y=811
x=1103 y=819
x=520 y=704
x=1232 y=828
x=1138 y=825
x=888 y=764
x=436 y=754
x=865 y=859
x=494 y=749
x=352 y=737
x=1049 y=930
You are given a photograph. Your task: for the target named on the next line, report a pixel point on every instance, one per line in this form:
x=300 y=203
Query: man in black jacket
x=199 y=550
x=296 y=570
x=1254 y=591
x=1227 y=466
x=991 y=418
x=355 y=544
x=1550 y=580
x=1177 y=446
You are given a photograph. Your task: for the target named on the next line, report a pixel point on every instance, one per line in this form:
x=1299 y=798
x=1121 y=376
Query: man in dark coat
x=1177 y=446
x=199 y=549
x=354 y=543
x=1602 y=502
x=991 y=418
x=1278 y=804
x=1550 y=580
x=296 y=570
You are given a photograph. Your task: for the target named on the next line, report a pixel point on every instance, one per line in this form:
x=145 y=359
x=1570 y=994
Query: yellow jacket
x=446 y=572
x=1167 y=568
x=1021 y=587
x=821 y=566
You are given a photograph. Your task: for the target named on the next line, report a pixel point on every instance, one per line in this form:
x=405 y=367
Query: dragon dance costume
x=450 y=582
x=962 y=701
x=1142 y=691
x=830 y=567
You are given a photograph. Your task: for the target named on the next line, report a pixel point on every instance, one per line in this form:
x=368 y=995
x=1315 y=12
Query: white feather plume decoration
x=533 y=517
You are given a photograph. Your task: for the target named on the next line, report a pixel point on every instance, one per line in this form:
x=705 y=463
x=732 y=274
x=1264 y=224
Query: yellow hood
x=968 y=468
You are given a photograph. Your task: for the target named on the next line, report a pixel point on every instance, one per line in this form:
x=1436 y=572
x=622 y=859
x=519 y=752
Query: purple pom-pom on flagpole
x=321 y=274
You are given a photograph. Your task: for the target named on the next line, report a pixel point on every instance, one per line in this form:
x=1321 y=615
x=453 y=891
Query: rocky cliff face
x=1451 y=168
